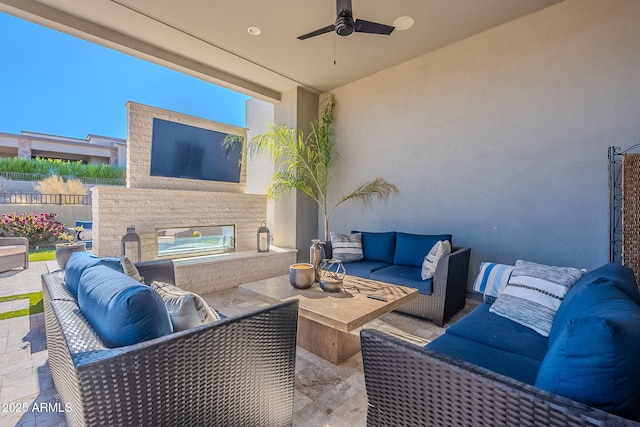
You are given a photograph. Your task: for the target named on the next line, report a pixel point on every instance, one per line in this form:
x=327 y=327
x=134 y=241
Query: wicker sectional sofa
x=235 y=371
x=488 y=370
x=396 y=258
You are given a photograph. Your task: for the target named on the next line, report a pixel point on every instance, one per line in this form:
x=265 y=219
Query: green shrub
x=61 y=168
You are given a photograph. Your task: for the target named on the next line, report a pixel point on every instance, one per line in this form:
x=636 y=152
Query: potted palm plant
x=304 y=164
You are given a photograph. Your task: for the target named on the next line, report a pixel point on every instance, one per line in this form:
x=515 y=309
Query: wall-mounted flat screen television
x=183 y=151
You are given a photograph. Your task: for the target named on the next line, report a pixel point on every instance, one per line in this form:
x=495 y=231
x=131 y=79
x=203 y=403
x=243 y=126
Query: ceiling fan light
x=403 y=23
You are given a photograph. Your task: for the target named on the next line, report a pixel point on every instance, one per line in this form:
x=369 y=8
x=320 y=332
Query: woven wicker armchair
x=410 y=386
x=239 y=371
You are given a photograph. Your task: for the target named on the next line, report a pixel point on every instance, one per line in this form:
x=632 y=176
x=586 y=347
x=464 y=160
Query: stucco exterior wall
x=500 y=139
x=92 y=149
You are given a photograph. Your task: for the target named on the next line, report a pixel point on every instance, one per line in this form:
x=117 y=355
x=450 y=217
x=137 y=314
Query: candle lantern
x=264 y=238
x=131 y=245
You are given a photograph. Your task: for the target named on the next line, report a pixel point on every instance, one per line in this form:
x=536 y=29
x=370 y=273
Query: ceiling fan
x=345 y=24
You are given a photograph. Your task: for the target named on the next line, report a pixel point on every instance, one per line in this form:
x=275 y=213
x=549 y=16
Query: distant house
x=92 y=149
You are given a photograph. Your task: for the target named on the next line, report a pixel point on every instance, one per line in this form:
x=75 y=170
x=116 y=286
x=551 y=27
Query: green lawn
x=35 y=305
x=42 y=255
x=35 y=299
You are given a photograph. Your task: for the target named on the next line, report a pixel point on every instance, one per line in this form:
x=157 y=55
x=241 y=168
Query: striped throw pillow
x=130 y=269
x=534 y=293
x=347 y=247
x=492 y=279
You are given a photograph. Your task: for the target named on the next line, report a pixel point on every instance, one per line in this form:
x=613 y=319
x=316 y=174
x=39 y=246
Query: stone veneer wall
x=140 y=134
x=230 y=270
x=115 y=208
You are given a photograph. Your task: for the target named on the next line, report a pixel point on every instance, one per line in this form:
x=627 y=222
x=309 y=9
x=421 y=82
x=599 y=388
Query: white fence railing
x=44 y=199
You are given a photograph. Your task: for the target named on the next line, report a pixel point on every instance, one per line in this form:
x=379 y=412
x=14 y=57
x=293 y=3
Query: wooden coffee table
x=326 y=320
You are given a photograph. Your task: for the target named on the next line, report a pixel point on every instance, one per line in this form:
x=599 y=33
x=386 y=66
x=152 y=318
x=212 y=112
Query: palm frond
x=282 y=182
x=374 y=189
x=279 y=141
x=231 y=142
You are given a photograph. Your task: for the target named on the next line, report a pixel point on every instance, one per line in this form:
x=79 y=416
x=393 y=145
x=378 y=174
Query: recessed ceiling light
x=254 y=31
x=403 y=23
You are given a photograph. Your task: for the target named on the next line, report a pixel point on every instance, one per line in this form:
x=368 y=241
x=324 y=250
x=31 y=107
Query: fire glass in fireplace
x=200 y=240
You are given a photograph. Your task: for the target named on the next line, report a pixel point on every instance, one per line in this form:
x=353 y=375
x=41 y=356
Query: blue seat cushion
x=594 y=360
x=120 y=309
x=581 y=298
x=363 y=268
x=404 y=276
x=80 y=261
x=412 y=248
x=496 y=331
x=519 y=367
x=379 y=247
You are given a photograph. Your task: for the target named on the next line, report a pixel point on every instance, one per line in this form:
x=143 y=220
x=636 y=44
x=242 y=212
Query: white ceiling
x=209 y=38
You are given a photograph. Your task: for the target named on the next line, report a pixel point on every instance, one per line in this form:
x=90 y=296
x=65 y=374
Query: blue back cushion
x=120 y=309
x=580 y=299
x=378 y=247
x=412 y=248
x=87 y=225
x=594 y=360
x=79 y=262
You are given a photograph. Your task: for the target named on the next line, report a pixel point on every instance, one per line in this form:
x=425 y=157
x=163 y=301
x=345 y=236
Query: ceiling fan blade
x=324 y=30
x=363 y=26
x=344 y=6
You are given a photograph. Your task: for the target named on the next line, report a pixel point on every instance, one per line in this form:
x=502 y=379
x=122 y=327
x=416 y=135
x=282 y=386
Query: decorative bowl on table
x=332 y=275
x=302 y=275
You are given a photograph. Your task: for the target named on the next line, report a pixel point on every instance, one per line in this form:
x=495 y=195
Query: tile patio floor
x=325 y=395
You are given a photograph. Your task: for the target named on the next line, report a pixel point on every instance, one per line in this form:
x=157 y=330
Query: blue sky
x=57 y=84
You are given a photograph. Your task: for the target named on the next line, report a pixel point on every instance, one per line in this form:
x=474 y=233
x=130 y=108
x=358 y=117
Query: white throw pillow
x=85 y=234
x=430 y=263
x=186 y=309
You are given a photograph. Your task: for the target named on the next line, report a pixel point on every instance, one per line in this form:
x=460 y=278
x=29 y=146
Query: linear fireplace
x=195 y=241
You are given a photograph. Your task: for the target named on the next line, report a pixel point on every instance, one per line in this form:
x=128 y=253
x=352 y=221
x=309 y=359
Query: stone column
x=295 y=214
x=113 y=157
x=24 y=148
x=293 y=217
